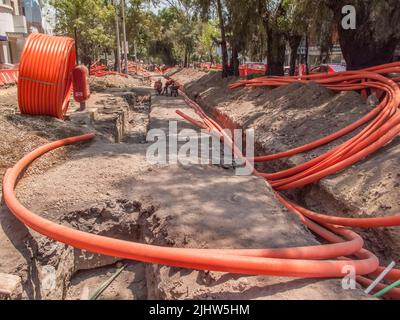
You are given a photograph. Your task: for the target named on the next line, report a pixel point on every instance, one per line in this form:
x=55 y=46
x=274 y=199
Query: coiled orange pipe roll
x=45 y=75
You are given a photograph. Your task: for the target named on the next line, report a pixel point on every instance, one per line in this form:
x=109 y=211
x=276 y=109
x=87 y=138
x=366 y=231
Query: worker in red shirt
x=158 y=86
x=167 y=85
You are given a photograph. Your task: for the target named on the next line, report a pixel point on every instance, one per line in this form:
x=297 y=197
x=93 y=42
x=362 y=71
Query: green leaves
x=90 y=20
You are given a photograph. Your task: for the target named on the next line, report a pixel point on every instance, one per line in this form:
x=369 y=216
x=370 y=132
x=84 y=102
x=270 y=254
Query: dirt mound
x=184 y=74
x=16 y=143
x=111 y=189
x=170 y=72
x=113 y=81
x=21 y=134
x=297 y=114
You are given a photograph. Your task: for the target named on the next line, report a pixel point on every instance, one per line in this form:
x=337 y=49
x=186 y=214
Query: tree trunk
x=86 y=60
x=235 y=64
x=118 y=49
x=116 y=59
x=211 y=56
x=76 y=46
x=326 y=42
x=230 y=69
x=276 y=47
x=324 y=55
x=372 y=42
x=307 y=52
x=224 y=48
x=185 y=62
x=294 y=43
x=362 y=52
x=276 y=41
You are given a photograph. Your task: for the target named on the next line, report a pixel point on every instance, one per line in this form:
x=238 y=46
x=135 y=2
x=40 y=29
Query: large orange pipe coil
x=45 y=75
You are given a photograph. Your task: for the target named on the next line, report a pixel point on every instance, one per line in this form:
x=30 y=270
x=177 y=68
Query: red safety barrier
x=99 y=70
x=252 y=69
x=139 y=69
x=244 y=69
x=167 y=70
x=8 y=76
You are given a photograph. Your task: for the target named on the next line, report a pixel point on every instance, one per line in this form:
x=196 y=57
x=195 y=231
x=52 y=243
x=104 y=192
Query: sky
x=157 y=8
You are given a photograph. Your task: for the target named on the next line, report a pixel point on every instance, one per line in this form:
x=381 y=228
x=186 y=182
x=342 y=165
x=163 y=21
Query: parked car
x=323 y=68
x=328 y=68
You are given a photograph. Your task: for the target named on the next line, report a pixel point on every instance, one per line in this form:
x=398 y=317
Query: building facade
x=13 y=31
x=33 y=14
x=48 y=18
x=40 y=16
x=18 y=18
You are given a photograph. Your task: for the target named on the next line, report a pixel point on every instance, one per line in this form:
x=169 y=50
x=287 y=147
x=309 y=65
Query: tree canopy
x=186 y=31
x=89 y=21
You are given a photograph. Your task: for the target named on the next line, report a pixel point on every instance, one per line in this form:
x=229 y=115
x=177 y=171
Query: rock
x=10 y=287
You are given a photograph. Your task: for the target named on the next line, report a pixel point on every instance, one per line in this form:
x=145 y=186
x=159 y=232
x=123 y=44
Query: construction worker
x=167 y=85
x=158 y=86
x=174 y=89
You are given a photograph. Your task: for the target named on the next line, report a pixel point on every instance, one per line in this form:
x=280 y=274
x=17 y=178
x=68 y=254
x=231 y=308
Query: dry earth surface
x=292 y=116
x=108 y=187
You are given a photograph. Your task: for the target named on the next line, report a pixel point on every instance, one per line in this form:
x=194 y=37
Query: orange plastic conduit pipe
x=291 y=262
x=383 y=128
x=294 y=262
x=394 y=274
x=45 y=75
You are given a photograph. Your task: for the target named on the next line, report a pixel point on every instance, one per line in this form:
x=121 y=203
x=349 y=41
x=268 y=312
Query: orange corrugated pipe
x=45 y=75
x=293 y=262
x=384 y=126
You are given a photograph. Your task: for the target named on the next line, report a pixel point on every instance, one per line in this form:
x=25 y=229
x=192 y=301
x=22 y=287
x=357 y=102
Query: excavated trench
x=68 y=273
x=320 y=197
x=57 y=271
x=119 y=115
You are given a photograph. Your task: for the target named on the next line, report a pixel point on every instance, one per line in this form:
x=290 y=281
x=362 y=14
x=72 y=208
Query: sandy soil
x=100 y=83
x=21 y=134
x=111 y=189
x=130 y=285
x=292 y=116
